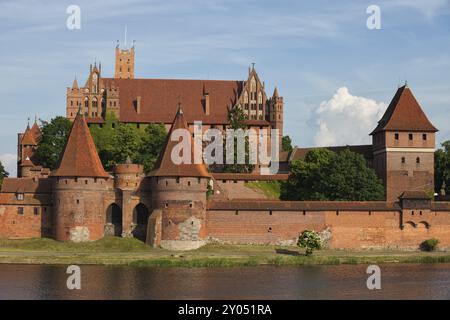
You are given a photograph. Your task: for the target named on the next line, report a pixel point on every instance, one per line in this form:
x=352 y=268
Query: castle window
x=85 y=182
x=424 y=137
x=189 y=183
x=178 y=180
x=19 y=196
x=270 y=229
x=403 y=160
x=410 y=136
x=36 y=211
x=71 y=103
x=418 y=160
x=78 y=201
x=20 y=210
x=396 y=136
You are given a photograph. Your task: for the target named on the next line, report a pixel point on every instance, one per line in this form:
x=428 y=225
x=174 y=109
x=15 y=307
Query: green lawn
x=121 y=251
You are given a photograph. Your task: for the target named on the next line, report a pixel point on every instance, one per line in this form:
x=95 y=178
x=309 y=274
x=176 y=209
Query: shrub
x=310 y=240
x=429 y=245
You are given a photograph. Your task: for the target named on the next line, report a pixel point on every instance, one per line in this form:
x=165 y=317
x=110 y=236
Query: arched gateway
x=140 y=221
x=113 y=226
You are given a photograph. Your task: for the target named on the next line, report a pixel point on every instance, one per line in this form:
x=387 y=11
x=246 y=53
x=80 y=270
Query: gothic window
x=410 y=136
x=418 y=160
x=403 y=160
x=94 y=83
x=94 y=103
x=260 y=98
x=245 y=97
x=396 y=136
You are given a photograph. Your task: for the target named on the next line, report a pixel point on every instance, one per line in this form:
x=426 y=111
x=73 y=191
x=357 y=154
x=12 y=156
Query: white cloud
x=9 y=162
x=346 y=119
x=429 y=8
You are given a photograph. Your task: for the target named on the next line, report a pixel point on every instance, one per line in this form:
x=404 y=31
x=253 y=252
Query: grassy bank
x=271 y=189
x=117 y=251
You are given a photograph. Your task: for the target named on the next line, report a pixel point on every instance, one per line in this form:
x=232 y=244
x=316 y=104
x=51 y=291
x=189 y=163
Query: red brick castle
x=80 y=201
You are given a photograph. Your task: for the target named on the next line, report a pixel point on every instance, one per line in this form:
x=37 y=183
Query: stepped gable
x=80 y=157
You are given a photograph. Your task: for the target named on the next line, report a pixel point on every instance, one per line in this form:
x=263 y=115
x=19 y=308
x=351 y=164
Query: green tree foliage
x=151 y=145
x=310 y=240
x=286 y=144
x=325 y=175
x=442 y=167
x=51 y=146
x=236 y=117
x=116 y=142
x=104 y=138
x=3 y=173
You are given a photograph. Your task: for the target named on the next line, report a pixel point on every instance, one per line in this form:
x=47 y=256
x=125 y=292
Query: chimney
x=138 y=104
x=206 y=103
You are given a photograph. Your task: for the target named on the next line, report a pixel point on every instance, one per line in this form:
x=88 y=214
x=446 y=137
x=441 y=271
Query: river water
x=398 y=281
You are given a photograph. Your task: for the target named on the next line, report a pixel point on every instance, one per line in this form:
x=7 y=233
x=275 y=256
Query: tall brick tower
x=124 y=63
x=179 y=197
x=79 y=188
x=276 y=106
x=26 y=146
x=403 y=146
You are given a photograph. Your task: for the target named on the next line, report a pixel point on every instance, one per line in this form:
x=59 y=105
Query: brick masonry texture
x=81 y=202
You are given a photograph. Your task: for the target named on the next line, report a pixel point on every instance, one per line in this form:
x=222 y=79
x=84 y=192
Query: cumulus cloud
x=346 y=119
x=9 y=162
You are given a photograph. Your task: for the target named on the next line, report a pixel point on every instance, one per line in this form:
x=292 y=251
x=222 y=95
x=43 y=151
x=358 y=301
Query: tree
x=236 y=117
x=442 y=167
x=310 y=240
x=3 y=173
x=127 y=142
x=104 y=139
x=151 y=145
x=53 y=141
x=286 y=144
x=325 y=175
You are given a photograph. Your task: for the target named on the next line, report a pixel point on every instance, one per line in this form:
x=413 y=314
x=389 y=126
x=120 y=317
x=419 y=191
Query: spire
x=28 y=138
x=404 y=114
x=75 y=83
x=80 y=158
x=165 y=165
x=275 y=93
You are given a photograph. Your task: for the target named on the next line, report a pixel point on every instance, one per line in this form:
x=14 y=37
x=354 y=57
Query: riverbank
x=117 y=251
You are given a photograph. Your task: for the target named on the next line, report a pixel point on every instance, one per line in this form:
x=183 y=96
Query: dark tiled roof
x=365 y=150
x=303 y=205
x=26 y=185
x=160 y=98
x=80 y=157
x=440 y=206
x=404 y=114
x=165 y=165
x=250 y=177
x=416 y=195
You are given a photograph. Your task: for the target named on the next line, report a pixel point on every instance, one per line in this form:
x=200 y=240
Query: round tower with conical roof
x=79 y=188
x=179 y=193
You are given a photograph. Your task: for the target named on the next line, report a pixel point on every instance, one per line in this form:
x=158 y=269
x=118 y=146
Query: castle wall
x=27 y=218
x=403 y=229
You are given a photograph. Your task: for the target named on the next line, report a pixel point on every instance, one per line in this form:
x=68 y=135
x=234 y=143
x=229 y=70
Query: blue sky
x=335 y=74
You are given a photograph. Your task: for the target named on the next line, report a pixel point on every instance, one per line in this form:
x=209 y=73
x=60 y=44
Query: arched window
x=403 y=160
x=94 y=103
x=417 y=160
